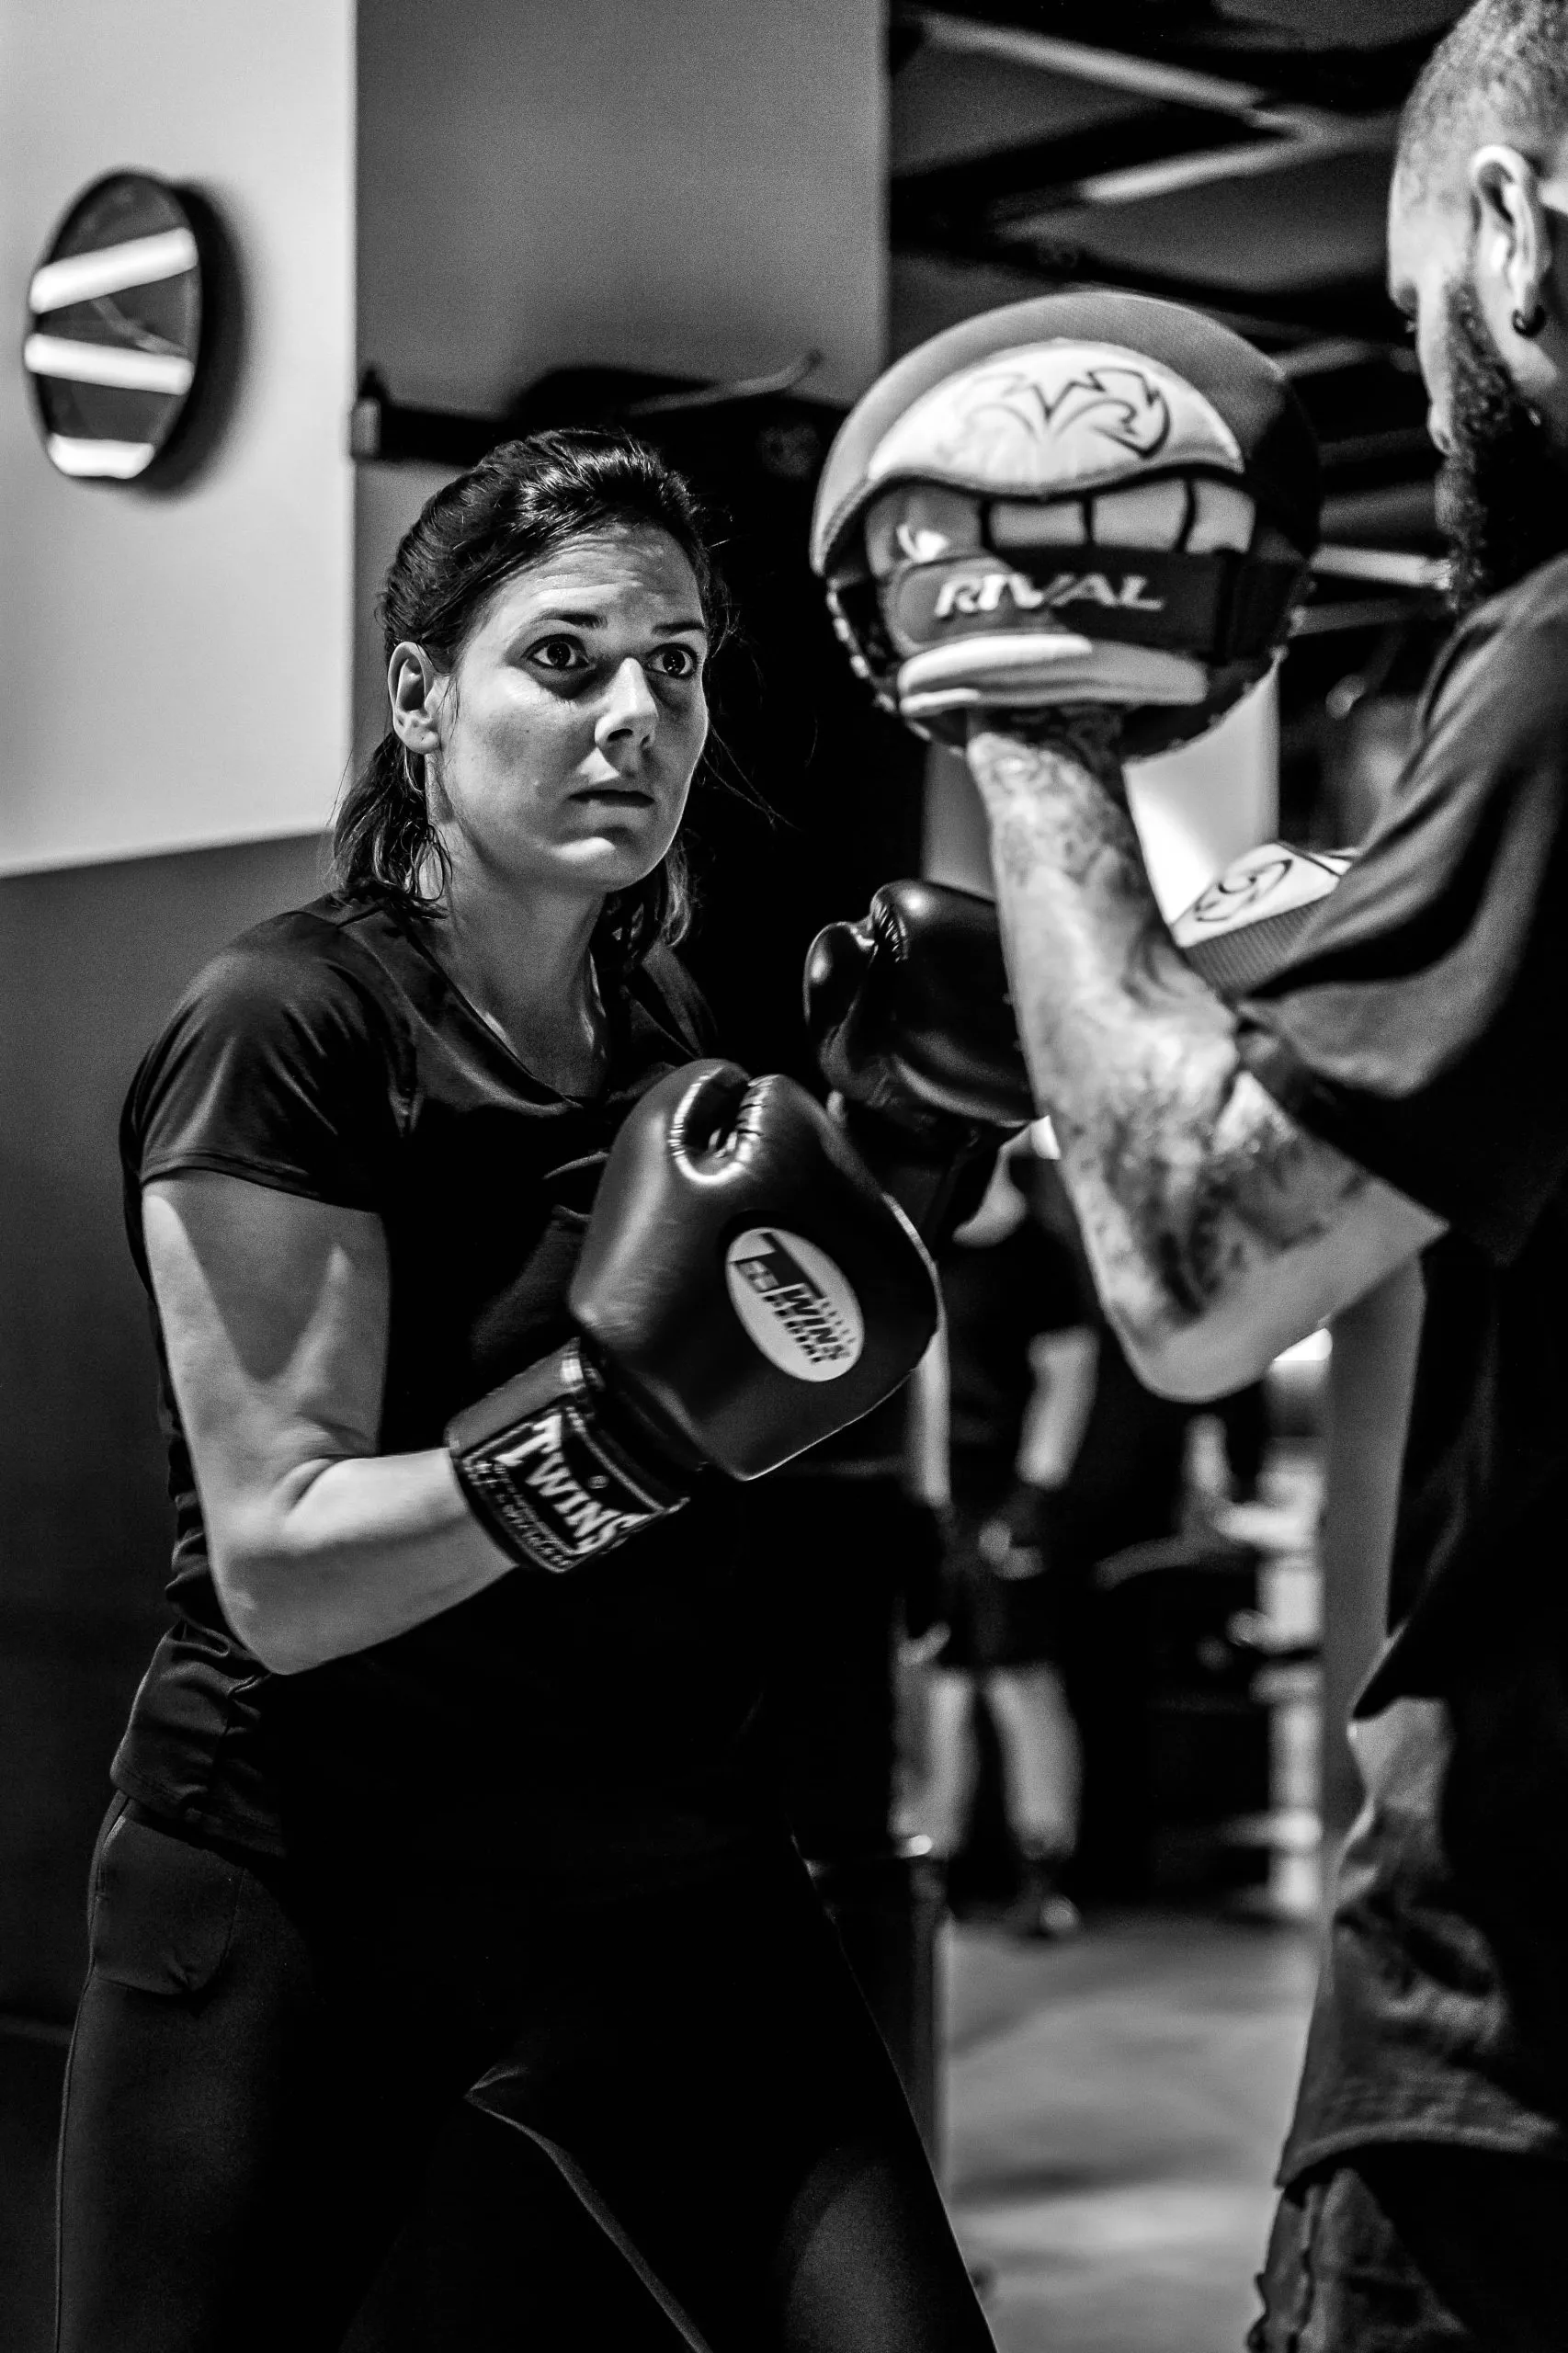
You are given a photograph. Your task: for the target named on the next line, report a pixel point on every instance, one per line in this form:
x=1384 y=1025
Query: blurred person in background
x=1021 y=1356
x=1058 y=1458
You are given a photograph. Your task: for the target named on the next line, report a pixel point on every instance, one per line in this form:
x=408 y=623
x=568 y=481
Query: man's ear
x=1513 y=229
x=416 y=690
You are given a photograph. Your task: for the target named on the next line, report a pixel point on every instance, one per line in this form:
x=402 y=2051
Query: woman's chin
x=615 y=860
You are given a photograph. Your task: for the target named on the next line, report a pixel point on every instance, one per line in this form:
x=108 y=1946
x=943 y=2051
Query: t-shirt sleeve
x=1417 y=1022
x=280 y=1066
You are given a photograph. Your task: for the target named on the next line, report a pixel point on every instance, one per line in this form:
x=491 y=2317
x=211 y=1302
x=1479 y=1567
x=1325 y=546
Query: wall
x=178 y=676
x=178 y=663
x=695 y=189
x=91 y=958
x=694 y=186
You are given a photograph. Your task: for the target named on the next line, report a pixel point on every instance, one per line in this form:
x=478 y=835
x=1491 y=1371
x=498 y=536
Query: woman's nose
x=629 y=713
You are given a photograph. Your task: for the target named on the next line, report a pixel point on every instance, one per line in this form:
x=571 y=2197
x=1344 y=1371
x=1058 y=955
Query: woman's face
x=571 y=723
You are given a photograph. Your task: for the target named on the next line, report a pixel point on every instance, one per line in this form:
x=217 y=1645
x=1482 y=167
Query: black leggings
x=402 y=2115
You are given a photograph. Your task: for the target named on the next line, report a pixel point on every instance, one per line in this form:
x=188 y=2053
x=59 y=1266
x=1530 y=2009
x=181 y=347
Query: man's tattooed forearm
x=1194 y=1191
x=1183 y=1170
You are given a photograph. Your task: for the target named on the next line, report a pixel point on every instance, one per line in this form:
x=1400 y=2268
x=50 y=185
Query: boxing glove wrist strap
x=552 y=1470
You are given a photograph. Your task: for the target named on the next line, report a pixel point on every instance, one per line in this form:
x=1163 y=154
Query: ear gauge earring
x=1531 y=326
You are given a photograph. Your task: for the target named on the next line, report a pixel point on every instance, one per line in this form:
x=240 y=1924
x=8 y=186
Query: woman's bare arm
x=273 y=1312
x=1219 y=1231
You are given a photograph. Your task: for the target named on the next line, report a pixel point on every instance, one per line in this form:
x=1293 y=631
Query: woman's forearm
x=348 y=1554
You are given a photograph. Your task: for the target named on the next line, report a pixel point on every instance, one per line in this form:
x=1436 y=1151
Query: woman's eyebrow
x=599 y=621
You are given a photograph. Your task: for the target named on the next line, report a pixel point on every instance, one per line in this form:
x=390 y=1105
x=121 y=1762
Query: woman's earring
x=1531 y=326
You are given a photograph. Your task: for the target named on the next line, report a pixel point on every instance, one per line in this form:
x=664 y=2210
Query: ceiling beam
x=1108 y=69
x=1139 y=182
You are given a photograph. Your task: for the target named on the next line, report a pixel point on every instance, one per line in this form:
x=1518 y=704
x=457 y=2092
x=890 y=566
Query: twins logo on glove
x=1087 y=499
x=794 y=1302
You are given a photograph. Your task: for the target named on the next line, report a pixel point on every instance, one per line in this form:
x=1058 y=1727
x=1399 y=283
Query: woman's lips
x=620 y=796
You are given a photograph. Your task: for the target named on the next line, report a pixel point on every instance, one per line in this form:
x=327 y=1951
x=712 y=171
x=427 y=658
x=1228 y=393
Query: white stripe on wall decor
x=116 y=460
x=137 y=262
x=108 y=363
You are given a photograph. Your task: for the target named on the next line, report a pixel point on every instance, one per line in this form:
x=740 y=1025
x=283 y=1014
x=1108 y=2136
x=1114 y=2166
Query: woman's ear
x=416 y=690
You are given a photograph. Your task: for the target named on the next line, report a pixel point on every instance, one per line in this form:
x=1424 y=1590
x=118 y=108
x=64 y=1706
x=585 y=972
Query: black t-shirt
x=997 y=1298
x=592 y=1731
x=1418 y=1024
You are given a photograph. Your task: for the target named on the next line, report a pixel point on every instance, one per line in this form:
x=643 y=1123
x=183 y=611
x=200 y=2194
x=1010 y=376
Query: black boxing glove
x=914 y=1029
x=745 y=1289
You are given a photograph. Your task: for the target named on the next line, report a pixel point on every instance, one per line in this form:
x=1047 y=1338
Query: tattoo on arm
x=1183 y=1170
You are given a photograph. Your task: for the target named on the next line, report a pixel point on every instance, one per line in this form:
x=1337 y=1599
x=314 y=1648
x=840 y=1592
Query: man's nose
x=1437 y=432
x=629 y=713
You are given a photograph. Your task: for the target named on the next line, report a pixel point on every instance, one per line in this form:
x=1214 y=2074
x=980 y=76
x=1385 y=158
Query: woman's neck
x=523 y=960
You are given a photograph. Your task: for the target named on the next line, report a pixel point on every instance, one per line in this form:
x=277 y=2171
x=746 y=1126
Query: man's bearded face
x=1503 y=487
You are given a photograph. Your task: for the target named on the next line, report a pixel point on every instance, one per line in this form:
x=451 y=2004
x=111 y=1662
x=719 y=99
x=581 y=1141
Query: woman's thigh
x=740 y=2133
x=217 y=2185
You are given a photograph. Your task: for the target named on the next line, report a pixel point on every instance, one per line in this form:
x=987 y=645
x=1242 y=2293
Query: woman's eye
x=557 y=653
x=676 y=660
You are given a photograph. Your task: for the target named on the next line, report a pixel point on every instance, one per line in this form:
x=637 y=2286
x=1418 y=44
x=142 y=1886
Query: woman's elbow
x=251 y=1586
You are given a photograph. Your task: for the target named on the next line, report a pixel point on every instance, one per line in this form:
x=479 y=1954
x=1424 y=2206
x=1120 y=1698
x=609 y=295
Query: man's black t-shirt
x=1419 y=1025
x=594 y=1732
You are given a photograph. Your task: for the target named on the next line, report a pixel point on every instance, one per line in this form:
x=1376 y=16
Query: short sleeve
x=1417 y=1023
x=279 y=1065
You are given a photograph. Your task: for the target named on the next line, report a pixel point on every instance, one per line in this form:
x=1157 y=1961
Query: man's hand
x=1219 y=1231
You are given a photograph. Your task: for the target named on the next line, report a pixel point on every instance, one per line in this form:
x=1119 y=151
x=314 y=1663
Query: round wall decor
x=114 y=329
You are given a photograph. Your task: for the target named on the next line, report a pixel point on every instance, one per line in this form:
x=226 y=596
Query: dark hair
x=522 y=502
x=1501 y=72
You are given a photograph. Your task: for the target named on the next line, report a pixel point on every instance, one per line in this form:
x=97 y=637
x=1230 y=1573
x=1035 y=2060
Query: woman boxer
x=435 y=1883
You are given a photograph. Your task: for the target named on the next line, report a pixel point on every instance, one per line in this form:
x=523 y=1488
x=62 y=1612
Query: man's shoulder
x=1540 y=596
x=1513 y=650
x=1539 y=601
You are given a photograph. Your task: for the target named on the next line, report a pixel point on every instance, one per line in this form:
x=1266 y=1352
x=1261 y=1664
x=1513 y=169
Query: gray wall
x=91 y=959
x=177 y=661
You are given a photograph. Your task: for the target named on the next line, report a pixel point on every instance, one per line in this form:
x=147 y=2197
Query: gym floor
x=1113 y=2111
x=1115 y=2107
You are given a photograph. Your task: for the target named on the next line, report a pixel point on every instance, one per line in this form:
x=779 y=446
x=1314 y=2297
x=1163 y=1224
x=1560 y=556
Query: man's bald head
x=1500 y=74
x=1478 y=261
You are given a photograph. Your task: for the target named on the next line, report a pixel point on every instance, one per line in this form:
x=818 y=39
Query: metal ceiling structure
x=1232 y=154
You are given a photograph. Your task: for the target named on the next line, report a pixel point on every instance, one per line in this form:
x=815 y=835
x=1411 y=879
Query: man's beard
x=1503 y=489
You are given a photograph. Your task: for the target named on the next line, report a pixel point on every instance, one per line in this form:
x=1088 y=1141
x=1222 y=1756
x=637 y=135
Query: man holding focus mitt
x=1072 y=531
